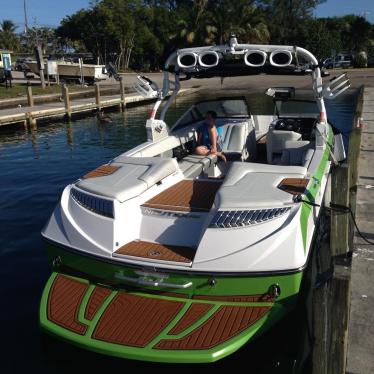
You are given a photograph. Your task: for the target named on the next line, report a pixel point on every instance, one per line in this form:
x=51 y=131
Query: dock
x=360 y=357
x=68 y=105
x=342 y=312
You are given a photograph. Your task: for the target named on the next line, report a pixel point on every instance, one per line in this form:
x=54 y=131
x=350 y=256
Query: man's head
x=210 y=117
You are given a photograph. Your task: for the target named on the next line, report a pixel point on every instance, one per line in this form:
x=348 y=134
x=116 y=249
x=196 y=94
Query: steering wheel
x=287 y=124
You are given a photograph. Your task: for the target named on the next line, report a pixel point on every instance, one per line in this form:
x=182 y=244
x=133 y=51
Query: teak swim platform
x=111 y=319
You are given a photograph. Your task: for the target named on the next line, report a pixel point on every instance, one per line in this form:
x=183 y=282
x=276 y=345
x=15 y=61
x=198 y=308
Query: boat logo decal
x=168 y=214
x=154 y=253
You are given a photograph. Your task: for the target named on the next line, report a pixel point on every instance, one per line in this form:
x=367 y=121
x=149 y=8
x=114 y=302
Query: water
x=35 y=166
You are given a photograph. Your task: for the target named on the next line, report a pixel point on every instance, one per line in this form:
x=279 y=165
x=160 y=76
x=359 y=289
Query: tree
x=317 y=37
x=44 y=36
x=356 y=33
x=191 y=27
x=286 y=18
x=120 y=24
x=85 y=29
x=241 y=17
x=142 y=33
x=8 y=37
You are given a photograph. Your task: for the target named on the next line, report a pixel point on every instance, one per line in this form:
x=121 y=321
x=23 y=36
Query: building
x=5 y=59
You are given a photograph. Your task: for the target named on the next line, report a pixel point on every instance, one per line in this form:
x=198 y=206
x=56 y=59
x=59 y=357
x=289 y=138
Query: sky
x=338 y=8
x=51 y=12
x=41 y=12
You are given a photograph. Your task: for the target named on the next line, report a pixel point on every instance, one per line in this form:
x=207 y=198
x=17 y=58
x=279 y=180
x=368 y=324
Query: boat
x=162 y=255
x=64 y=70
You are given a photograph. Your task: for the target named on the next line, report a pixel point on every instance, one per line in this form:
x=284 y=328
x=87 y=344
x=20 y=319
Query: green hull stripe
x=306 y=209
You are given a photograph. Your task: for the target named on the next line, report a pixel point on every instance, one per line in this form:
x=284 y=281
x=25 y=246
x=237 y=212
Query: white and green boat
x=163 y=255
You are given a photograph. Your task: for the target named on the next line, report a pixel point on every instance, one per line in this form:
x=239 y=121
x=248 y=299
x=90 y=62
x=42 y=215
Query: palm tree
x=240 y=17
x=7 y=26
x=8 y=37
x=192 y=27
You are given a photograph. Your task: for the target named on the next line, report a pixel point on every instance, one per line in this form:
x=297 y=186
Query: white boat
x=66 y=70
x=90 y=72
x=164 y=255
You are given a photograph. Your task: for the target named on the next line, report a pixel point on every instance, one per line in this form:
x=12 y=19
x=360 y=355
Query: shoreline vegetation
x=139 y=35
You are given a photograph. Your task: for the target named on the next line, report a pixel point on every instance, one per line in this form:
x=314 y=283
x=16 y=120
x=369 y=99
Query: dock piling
x=122 y=91
x=97 y=96
x=30 y=99
x=353 y=159
x=65 y=95
x=339 y=219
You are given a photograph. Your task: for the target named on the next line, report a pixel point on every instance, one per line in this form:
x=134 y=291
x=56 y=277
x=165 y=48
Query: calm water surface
x=35 y=166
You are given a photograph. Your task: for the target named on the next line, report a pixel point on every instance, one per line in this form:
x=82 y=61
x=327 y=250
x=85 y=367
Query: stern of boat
x=155 y=326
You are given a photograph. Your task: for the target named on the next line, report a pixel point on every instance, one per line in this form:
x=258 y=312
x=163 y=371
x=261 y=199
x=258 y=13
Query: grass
x=19 y=90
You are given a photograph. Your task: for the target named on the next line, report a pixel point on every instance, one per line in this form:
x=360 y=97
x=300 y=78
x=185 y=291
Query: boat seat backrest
x=276 y=140
x=297 y=153
x=233 y=137
x=193 y=165
x=236 y=138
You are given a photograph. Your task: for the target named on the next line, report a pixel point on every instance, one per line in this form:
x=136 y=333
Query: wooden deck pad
x=294 y=186
x=157 y=251
x=98 y=296
x=134 y=320
x=101 y=171
x=186 y=195
x=64 y=300
x=227 y=322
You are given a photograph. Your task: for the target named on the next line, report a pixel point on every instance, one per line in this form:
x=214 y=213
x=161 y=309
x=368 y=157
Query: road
x=358 y=77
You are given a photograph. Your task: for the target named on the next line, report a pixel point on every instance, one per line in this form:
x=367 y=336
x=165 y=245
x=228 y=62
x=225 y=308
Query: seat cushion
x=297 y=153
x=238 y=170
x=133 y=176
x=276 y=142
x=193 y=165
x=250 y=185
x=307 y=157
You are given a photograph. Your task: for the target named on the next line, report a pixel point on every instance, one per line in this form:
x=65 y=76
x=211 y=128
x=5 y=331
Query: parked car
x=21 y=65
x=340 y=61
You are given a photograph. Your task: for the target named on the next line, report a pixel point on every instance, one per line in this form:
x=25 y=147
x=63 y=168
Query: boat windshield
x=297 y=108
x=224 y=107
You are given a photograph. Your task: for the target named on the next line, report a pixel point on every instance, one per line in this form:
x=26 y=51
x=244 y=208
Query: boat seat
x=133 y=176
x=193 y=165
x=236 y=138
x=238 y=170
x=249 y=185
x=275 y=142
x=297 y=153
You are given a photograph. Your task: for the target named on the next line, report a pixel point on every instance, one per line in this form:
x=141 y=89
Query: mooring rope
x=337 y=208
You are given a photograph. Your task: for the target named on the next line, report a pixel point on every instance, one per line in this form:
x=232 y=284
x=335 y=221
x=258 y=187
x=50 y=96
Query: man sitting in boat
x=209 y=140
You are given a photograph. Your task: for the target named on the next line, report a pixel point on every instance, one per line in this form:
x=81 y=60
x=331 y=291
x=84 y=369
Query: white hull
x=95 y=72
x=261 y=219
